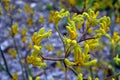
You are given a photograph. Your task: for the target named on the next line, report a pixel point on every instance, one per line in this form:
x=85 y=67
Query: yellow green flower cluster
x=37 y=37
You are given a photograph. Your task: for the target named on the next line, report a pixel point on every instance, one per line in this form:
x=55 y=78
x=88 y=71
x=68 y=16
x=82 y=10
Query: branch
x=66 y=71
x=52 y=59
x=6 y=66
x=84 y=6
x=85 y=39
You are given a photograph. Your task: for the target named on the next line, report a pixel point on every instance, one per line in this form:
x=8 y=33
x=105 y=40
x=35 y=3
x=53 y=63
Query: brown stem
x=85 y=39
x=61 y=38
x=66 y=71
x=38 y=74
x=84 y=33
x=52 y=59
x=84 y=6
x=67 y=51
x=73 y=71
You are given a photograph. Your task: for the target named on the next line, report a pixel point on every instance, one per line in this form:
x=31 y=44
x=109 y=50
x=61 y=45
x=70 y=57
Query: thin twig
x=66 y=71
x=6 y=66
x=61 y=38
x=15 y=45
x=73 y=71
x=84 y=6
x=52 y=59
x=38 y=74
x=85 y=39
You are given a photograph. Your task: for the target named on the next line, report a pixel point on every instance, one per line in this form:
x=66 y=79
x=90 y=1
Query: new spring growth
x=14 y=29
x=37 y=37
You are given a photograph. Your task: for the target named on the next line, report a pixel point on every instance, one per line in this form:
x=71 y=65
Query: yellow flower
x=69 y=63
x=6 y=4
x=90 y=63
x=38 y=37
x=41 y=19
x=116 y=37
x=30 y=22
x=80 y=77
x=77 y=53
x=24 y=30
x=96 y=78
x=1 y=10
x=72 y=33
x=90 y=30
x=35 y=61
x=86 y=49
x=30 y=78
x=59 y=52
x=96 y=5
x=93 y=14
x=24 y=39
x=113 y=78
x=37 y=78
x=89 y=78
x=72 y=30
x=28 y=9
x=30 y=45
x=118 y=20
x=15 y=76
x=12 y=52
x=93 y=43
x=55 y=17
x=117 y=59
x=91 y=18
x=72 y=2
x=14 y=29
x=58 y=64
x=37 y=50
x=80 y=24
x=82 y=59
x=49 y=47
x=105 y=23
